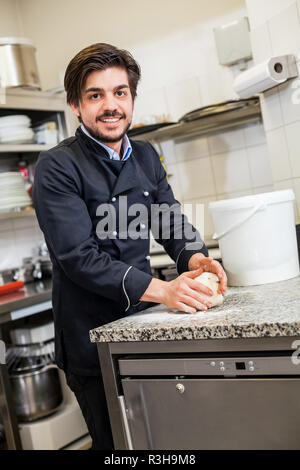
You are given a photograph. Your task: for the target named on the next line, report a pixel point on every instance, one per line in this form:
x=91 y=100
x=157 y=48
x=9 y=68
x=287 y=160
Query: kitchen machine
x=48 y=414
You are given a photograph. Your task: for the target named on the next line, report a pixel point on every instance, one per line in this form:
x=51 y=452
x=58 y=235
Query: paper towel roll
x=266 y=75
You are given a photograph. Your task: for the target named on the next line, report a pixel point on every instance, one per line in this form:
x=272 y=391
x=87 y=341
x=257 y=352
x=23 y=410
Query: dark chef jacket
x=97 y=281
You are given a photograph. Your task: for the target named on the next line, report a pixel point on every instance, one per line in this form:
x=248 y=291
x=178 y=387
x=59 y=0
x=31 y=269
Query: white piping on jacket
x=123 y=285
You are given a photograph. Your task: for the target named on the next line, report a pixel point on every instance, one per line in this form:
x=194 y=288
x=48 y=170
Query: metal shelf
x=22 y=148
x=39 y=107
x=212 y=123
x=17 y=214
x=22 y=99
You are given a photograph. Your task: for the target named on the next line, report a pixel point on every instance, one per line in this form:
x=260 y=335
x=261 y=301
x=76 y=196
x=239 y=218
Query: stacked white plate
x=16 y=129
x=13 y=194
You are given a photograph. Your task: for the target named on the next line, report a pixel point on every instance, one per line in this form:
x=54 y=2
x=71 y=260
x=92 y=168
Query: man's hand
x=199 y=261
x=183 y=293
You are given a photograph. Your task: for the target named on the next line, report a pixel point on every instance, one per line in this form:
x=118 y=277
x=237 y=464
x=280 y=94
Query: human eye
x=94 y=96
x=121 y=93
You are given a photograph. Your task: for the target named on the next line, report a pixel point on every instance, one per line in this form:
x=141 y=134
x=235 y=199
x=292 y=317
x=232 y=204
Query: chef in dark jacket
x=83 y=188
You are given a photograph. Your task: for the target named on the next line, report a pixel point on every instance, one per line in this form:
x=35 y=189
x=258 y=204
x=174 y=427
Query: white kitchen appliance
x=225 y=401
x=63 y=429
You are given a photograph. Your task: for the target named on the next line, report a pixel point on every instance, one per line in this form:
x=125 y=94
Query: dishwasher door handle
x=125 y=422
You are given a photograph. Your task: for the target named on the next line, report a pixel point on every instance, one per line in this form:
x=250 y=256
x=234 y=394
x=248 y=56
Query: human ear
x=75 y=109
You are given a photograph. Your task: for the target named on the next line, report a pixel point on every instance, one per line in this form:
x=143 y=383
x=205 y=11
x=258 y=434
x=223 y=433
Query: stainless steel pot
x=37 y=393
x=18 y=64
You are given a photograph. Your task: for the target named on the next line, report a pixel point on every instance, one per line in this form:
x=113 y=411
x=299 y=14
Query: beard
x=94 y=131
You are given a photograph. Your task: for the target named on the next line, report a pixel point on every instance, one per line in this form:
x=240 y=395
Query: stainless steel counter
x=33 y=298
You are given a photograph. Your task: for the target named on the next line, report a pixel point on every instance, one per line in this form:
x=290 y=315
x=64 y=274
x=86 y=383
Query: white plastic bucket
x=257 y=237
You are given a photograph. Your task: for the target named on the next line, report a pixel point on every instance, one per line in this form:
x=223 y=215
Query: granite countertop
x=247 y=312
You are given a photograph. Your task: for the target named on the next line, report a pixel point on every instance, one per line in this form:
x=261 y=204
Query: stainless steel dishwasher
x=232 y=402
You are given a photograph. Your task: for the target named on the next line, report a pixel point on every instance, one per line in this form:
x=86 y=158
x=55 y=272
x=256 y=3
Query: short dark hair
x=98 y=56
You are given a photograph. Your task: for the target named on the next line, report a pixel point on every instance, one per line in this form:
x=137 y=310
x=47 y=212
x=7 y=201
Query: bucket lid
x=251 y=201
x=15 y=40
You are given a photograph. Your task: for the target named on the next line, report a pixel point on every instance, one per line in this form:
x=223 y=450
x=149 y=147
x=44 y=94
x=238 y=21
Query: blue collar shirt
x=113 y=155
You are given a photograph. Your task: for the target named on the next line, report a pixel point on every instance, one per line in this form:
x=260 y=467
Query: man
x=98 y=279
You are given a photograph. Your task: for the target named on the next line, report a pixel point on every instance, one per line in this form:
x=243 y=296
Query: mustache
x=109 y=114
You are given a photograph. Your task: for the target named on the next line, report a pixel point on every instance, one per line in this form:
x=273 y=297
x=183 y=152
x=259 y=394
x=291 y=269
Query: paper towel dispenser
x=262 y=77
x=233 y=42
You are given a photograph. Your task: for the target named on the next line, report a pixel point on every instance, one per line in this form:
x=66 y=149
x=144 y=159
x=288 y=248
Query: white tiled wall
x=231 y=171
x=275 y=26
x=259 y=164
x=278 y=149
x=284 y=30
x=271 y=109
x=260 y=12
x=191 y=149
x=225 y=165
x=292 y=136
x=181 y=72
x=182 y=97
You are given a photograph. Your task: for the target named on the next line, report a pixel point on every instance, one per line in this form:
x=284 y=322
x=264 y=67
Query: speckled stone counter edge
x=195 y=332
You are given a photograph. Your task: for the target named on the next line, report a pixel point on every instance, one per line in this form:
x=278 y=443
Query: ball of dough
x=211 y=280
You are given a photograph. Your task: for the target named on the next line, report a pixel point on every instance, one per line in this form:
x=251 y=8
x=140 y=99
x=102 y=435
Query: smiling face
x=106 y=106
